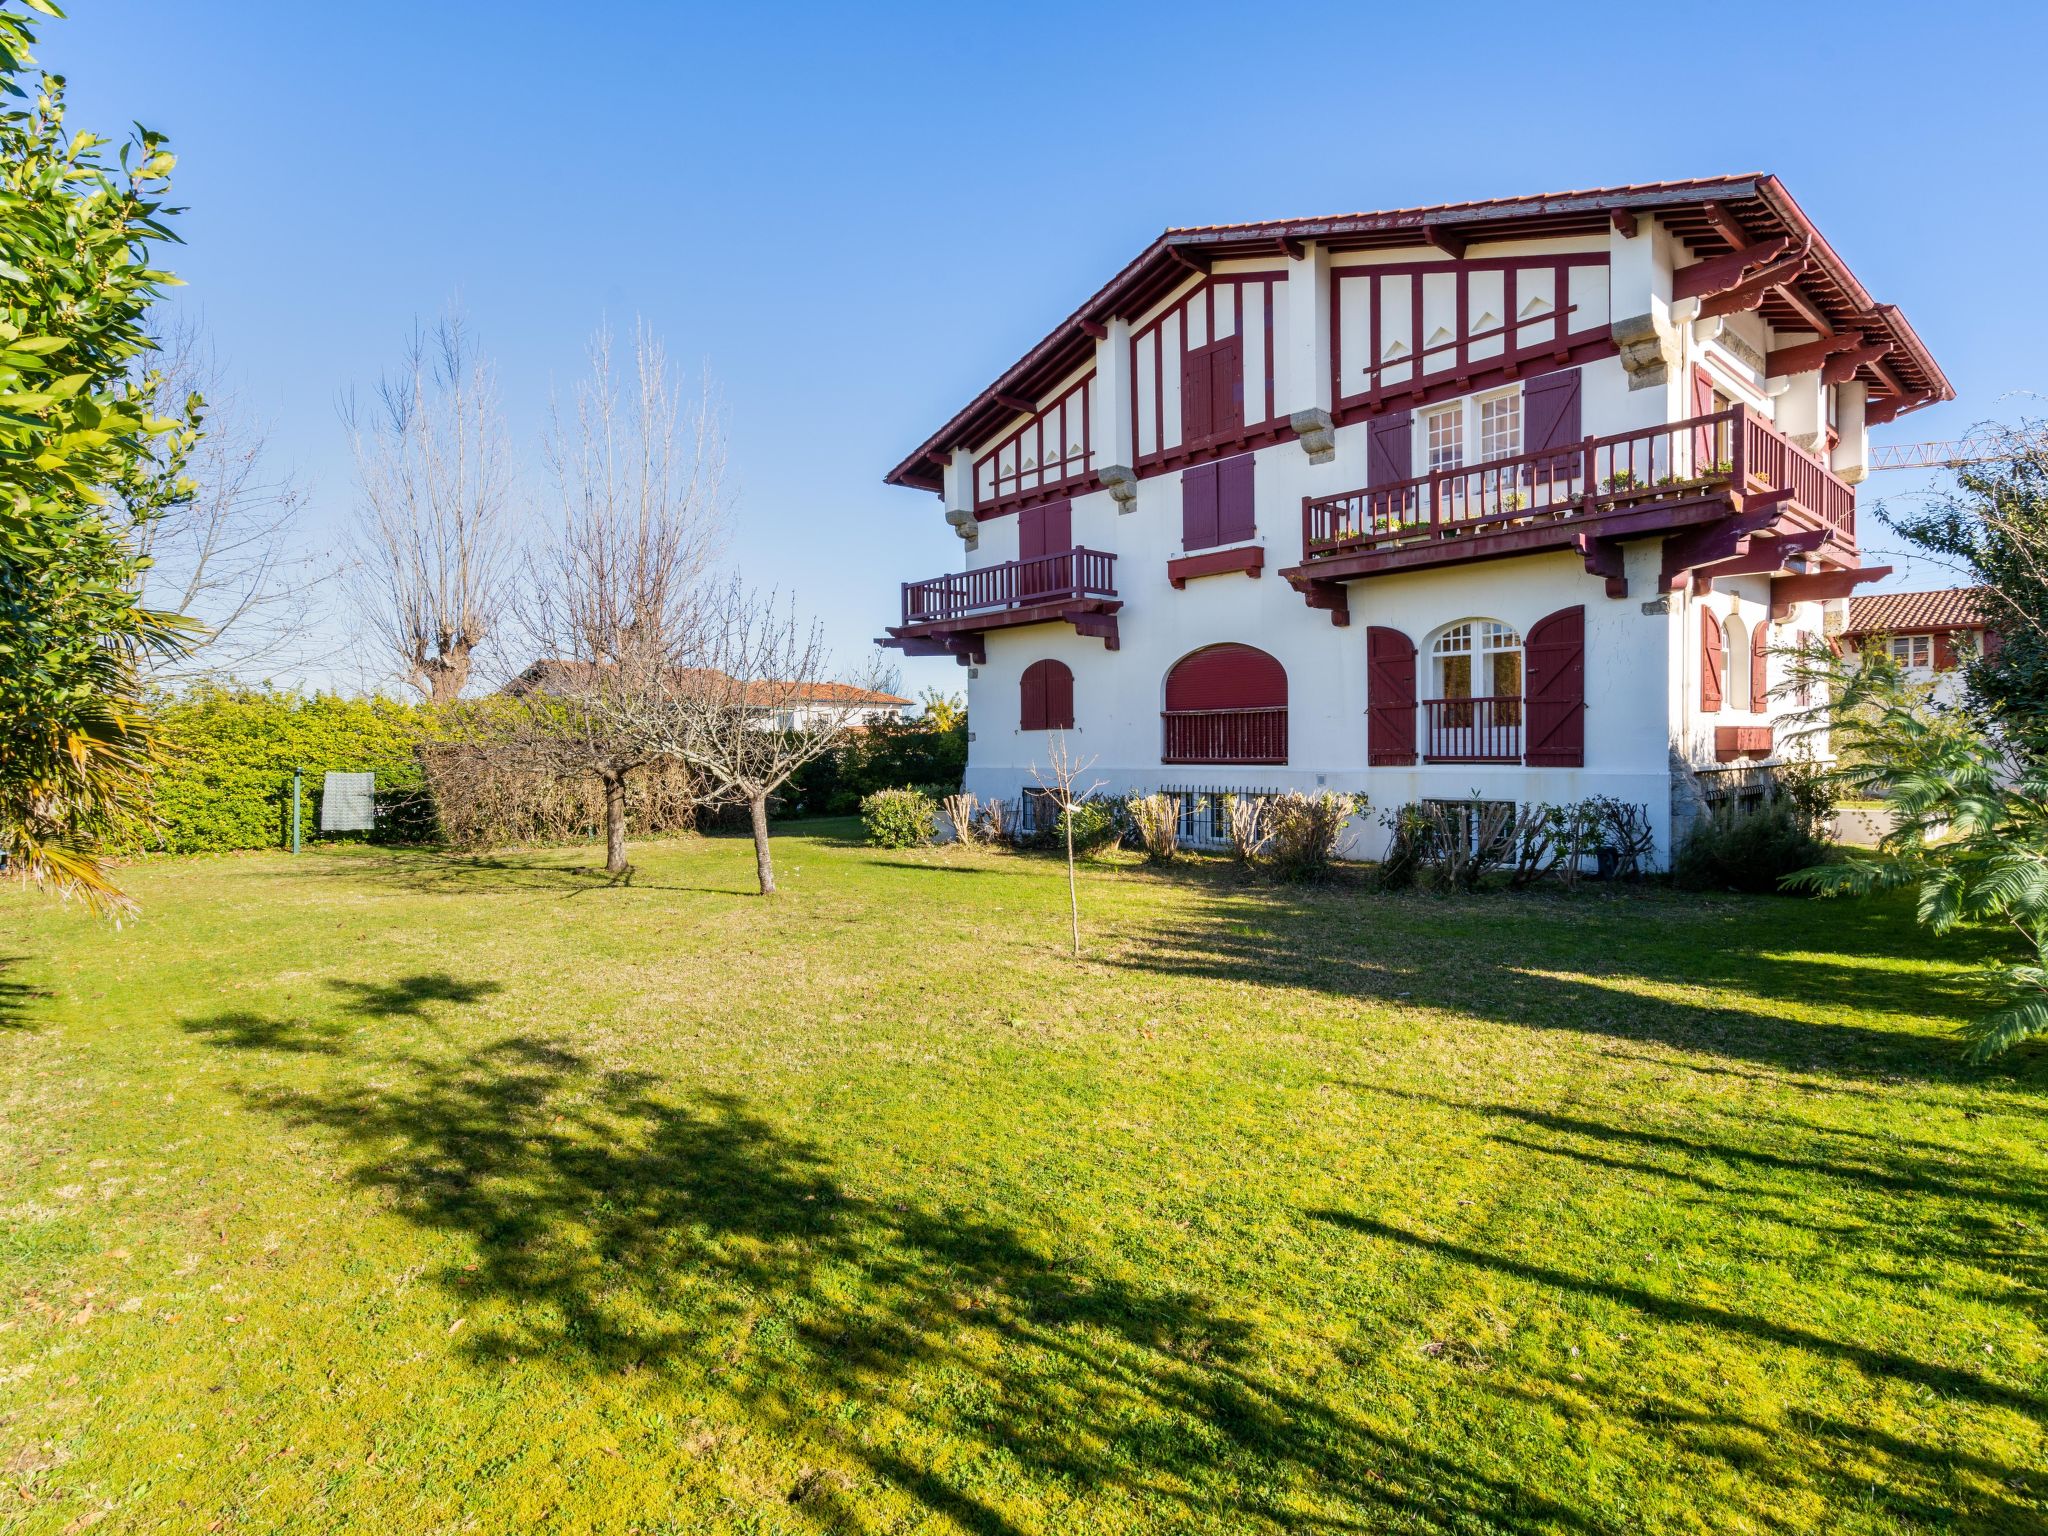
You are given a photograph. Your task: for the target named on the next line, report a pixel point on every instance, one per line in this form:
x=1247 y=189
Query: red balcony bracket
x=1331 y=597
x=1101 y=626
x=1249 y=558
x=1603 y=558
x=1765 y=555
x=1749 y=293
x=1712 y=544
x=1808 y=355
x=1787 y=590
x=1719 y=274
x=1842 y=368
x=1736 y=741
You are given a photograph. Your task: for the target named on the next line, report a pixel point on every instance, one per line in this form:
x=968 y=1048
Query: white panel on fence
x=348 y=803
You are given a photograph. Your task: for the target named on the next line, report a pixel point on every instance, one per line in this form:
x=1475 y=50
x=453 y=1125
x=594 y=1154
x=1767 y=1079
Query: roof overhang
x=1713 y=217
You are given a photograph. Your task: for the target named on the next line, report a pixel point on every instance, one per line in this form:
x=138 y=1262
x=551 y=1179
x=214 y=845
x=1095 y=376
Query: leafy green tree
x=1993 y=527
x=1970 y=834
x=84 y=457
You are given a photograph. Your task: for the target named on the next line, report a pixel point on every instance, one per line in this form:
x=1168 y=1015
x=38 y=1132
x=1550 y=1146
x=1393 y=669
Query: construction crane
x=1978 y=448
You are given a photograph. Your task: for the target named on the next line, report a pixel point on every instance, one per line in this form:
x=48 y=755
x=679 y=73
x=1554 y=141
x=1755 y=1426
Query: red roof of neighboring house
x=1903 y=613
x=1701 y=213
x=554 y=675
x=785 y=695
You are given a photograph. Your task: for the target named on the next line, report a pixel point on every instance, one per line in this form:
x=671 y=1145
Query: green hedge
x=227 y=779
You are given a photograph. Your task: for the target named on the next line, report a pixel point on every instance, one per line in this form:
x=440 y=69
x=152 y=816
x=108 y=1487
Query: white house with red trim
x=1930 y=634
x=1506 y=499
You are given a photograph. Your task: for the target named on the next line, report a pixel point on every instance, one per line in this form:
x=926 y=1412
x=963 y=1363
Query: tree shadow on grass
x=937 y=1360
x=409 y=997
x=16 y=997
x=538 y=874
x=1607 y=967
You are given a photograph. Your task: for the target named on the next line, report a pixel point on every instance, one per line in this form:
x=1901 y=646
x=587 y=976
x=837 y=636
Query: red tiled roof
x=1903 y=613
x=553 y=674
x=1759 y=203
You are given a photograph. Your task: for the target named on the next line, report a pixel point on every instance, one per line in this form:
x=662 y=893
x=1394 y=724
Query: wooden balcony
x=1485 y=730
x=1224 y=735
x=949 y=615
x=1733 y=464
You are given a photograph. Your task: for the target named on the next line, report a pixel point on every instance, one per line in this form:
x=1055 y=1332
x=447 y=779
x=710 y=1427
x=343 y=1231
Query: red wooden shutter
x=1555 y=654
x=1390 y=697
x=1226 y=388
x=1198 y=507
x=1227 y=677
x=1031 y=698
x=1234 y=519
x=1042 y=531
x=1710 y=663
x=1760 y=668
x=1945 y=650
x=1702 y=437
x=1550 y=417
x=1046 y=701
x=1389 y=448
x=1197 y=391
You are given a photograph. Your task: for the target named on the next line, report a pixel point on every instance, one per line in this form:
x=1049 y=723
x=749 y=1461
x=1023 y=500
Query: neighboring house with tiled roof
x=1928 y=632
x=790 y=705
x=1517 y=500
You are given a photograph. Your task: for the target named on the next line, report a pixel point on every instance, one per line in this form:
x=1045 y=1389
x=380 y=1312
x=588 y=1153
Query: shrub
x=1408 y=834
x=484 y=796
x=1736 y=849
x=1302 y=832
x=900 y=818
x=1157 y=821
x=1244 y=819
x=1098 y=825
x=963 y=819
x=997 y=822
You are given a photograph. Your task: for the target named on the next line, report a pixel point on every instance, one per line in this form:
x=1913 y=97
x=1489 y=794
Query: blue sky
x=857 y=216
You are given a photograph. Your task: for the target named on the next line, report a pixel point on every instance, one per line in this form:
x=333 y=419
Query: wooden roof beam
x=1094 y=330
x=1624 y=222
x=1449 y=241
x=1726 y=225
x=1718 y=273
x=1010 y=402
x=1749 y=293
x=1842 y=367
x=1807 y=356
x=1787 y=590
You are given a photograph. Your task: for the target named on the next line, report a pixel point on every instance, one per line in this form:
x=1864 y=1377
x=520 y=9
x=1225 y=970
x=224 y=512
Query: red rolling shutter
x=1760 y=668
x=1046 y=701
x=1389 y=448
x=1710 y=663
x=1227 y=677
x=1198 y=504
x=1555 y=652
x=1390 y=697
x=1234 y=519
x=1550 y=416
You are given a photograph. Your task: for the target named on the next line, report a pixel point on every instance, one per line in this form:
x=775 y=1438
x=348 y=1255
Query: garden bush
x=1156 y=819
x=1302 y=833
x=1733 y=848
x=1098 y=822
x=900 y=818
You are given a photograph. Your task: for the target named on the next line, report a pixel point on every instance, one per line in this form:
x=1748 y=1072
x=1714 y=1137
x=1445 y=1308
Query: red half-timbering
x=1554 y=653
x=1205 y=371
x=1225 y=704
x=1422 y=330
x=1052 y=454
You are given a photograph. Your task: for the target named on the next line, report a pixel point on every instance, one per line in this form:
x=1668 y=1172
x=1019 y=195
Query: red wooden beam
x=1726 y=225
x=1749 y=294
x=1719 y=273
x=1766 y=555
x=1624 y=222
x=1807 y=356
x=1449 y=241
x=1095 y=330
x=1292 y=249
x=1189 y=259
x=1329 y=596
x=1889 y=407
x=1250 y=558
x=1603 y=559
x=1814 y=317
x=1011 y=402
x=1787 y=590
x=1841 y=369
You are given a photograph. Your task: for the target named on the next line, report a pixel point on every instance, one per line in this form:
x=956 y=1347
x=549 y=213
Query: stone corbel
x=1317 y=433
x=1122 y=484
x=1649 y=349
x=964 y=524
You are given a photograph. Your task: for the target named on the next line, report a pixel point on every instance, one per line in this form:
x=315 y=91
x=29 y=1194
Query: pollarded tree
x=85 y=462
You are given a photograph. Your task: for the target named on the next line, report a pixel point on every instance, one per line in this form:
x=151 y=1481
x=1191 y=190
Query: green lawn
x=390 y=1192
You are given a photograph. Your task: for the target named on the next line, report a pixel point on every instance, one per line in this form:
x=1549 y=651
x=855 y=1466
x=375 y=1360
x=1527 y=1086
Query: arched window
x=1473 y=713
x=1046 y=697
x=1735 y=683
x=1226 y=704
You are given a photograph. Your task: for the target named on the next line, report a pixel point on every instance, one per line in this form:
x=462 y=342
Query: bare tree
x=1059 y=779
x=227 y=558
x=613 y=602
x=437 y=498
x=760 y=703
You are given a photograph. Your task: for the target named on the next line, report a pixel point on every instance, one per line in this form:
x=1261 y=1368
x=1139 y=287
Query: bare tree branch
x=437 y=503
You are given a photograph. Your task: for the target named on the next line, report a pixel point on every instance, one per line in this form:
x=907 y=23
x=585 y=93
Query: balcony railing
x=1486 y=730
x=1072 y=573
x=1225 y=735
x=1732 y=450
